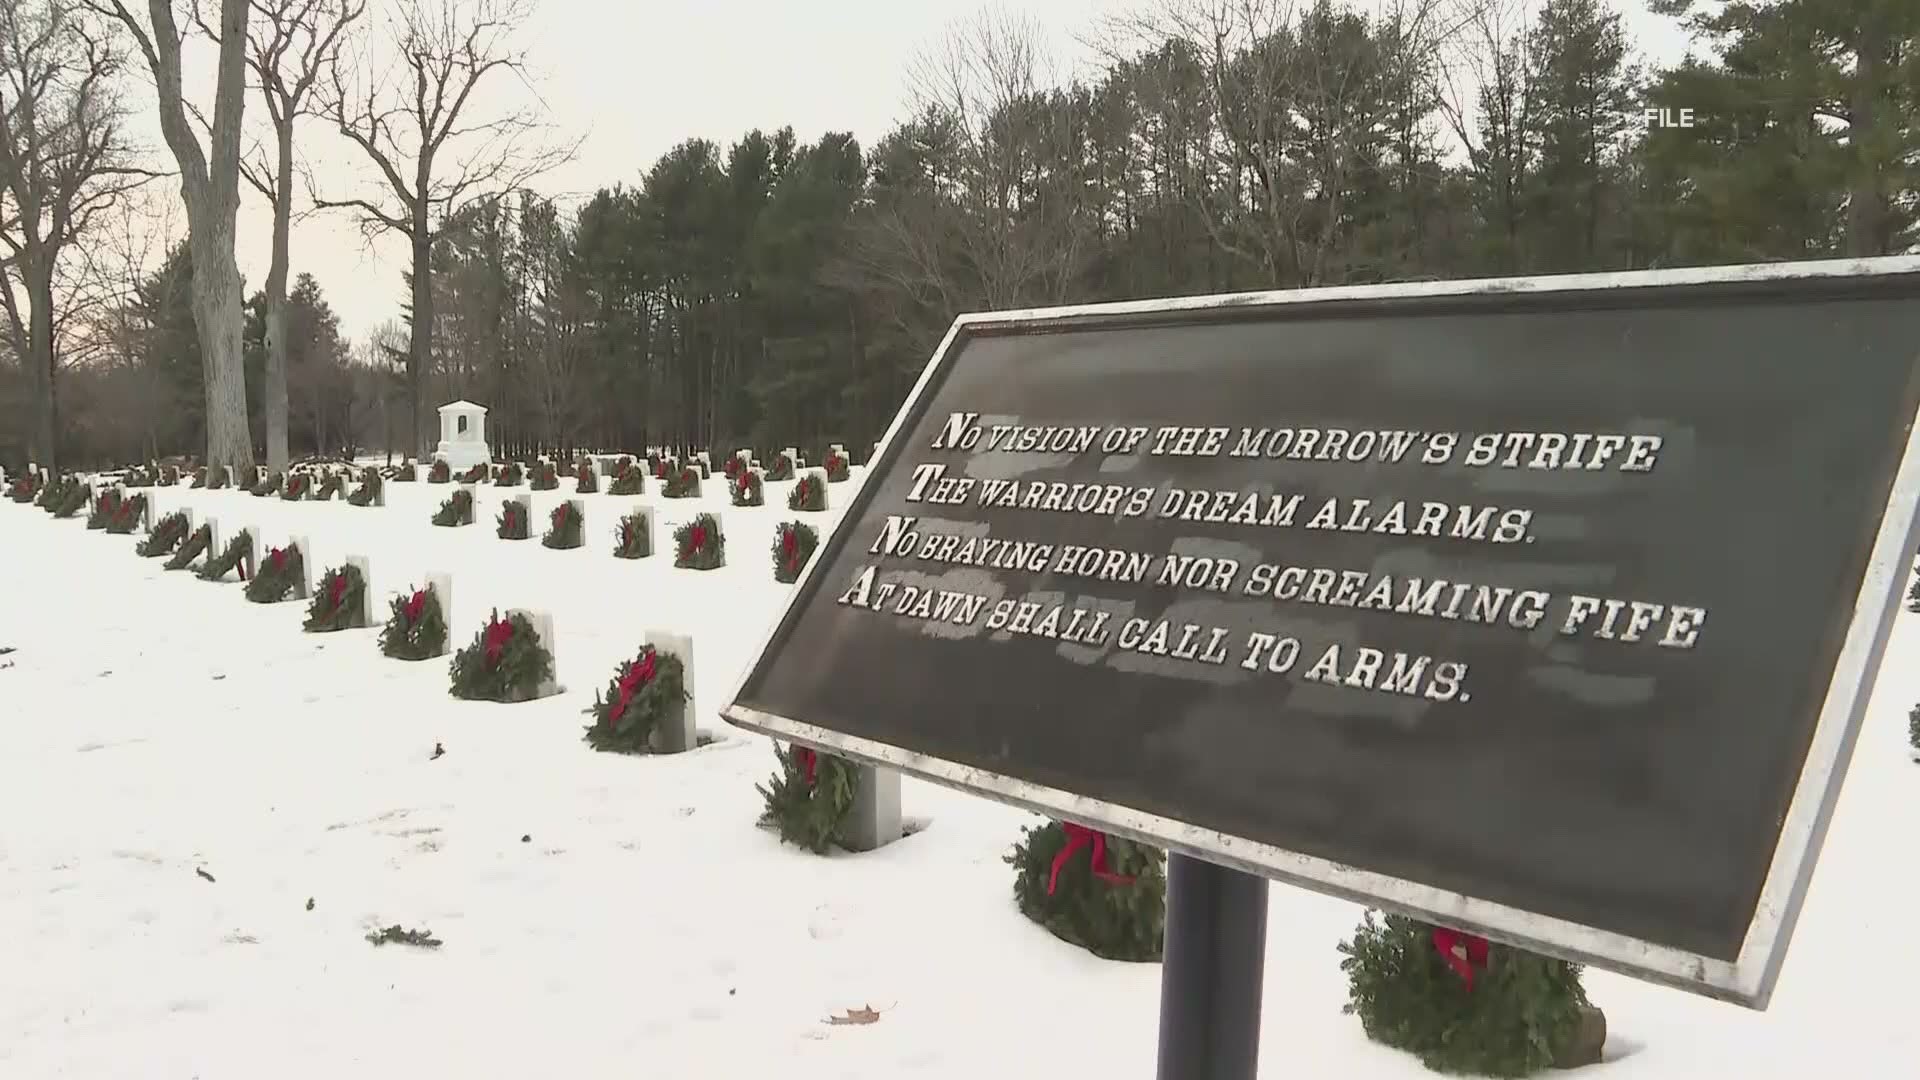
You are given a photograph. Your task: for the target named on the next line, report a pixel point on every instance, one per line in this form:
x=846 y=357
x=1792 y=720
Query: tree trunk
x=420 y=345
x=274 y=393
x=216 y=315
x=1866 y=199
x=46 y=396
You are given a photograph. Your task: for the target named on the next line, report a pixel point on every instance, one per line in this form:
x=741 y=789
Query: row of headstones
x=316 y=481
x=874 y=820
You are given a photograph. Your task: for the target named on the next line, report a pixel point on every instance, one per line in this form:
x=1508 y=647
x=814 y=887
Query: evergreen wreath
x=332 y=486
x=191 y=548
x=782 y=467
x=238 y=551
x=585 y=480
x=631 y=539
x=217 y=479
x=793 y=544
x=630 y=480
x=506 y=662
x=23 y=489
x=659 y=466
x=169 y=476
x=1913 y=730
x=808 y=495
x=267 y=485
x=278 y=573
x=476 y=475
x=1460 y=1003
x=1111 y=902
x=52 y=494
x=682 y=483
x=456 y=510
x=69 y=499
x=71 y=502
x=297 y=487
x=698 y=545
x=642 y=692
x=747 y=489
x=164 y=537
x=199 y=478
x=336 y=603
x=417 y=628
x=545 y=477
x=510 y=475
x=369 y=490
x=564 y=528
x=249 y=477
x=731 y=466
x=405 y=474
x=105 y=505
x=809 y=799
x=837 y=467
x=512 y=522
x=127 y=514
x=137 y=478
x=440 y=473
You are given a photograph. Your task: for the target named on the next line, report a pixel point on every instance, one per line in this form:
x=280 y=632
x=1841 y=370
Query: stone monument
x=463 y=436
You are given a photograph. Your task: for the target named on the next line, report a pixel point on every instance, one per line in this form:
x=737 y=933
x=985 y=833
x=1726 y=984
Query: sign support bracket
x=1212 y=972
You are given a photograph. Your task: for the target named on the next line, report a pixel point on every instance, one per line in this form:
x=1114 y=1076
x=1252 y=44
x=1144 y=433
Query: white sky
x=636 y=77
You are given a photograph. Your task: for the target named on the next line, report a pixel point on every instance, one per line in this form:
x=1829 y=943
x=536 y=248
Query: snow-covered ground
x=606 y=916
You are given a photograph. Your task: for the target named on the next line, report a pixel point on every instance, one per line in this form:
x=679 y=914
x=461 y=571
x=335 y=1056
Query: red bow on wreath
x=559 y=515
x=746 y=482
x=696 y=538
x=336 y=590
x=496 y=638
x=1079 y=836
x=833 y=462
x=1462 y=951
x=790 y=547
x=808 y=760
x=637 y=676
x=416 y=605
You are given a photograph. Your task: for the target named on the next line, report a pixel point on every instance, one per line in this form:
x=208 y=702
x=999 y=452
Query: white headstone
x=364 y=616
x=874 y=819
x=441 y=585
x=744 y=455
x=473 y=501
x=705 y=460
x=652 y=525
x=213 y=537
x=676 y=732
x=303 y=585
x=580 y=514
x=838 y=448
x=543 y=626
x=252 y=556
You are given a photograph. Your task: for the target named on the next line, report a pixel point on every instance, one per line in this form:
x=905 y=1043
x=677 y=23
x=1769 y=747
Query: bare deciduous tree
x=432 y=158
x=64 y=160
x=290 y=43
x=210 y=189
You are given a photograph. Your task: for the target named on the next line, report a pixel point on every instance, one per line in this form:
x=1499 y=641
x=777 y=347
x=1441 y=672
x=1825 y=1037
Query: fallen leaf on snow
x=863 y=1015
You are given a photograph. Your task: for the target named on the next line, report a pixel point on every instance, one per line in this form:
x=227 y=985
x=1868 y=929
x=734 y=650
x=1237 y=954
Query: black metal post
x=1211 y=975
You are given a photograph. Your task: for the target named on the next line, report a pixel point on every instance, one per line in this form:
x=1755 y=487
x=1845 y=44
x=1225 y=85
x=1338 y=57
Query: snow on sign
x=1541 y=608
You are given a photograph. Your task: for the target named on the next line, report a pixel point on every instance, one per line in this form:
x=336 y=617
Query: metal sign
x=1546 y=608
